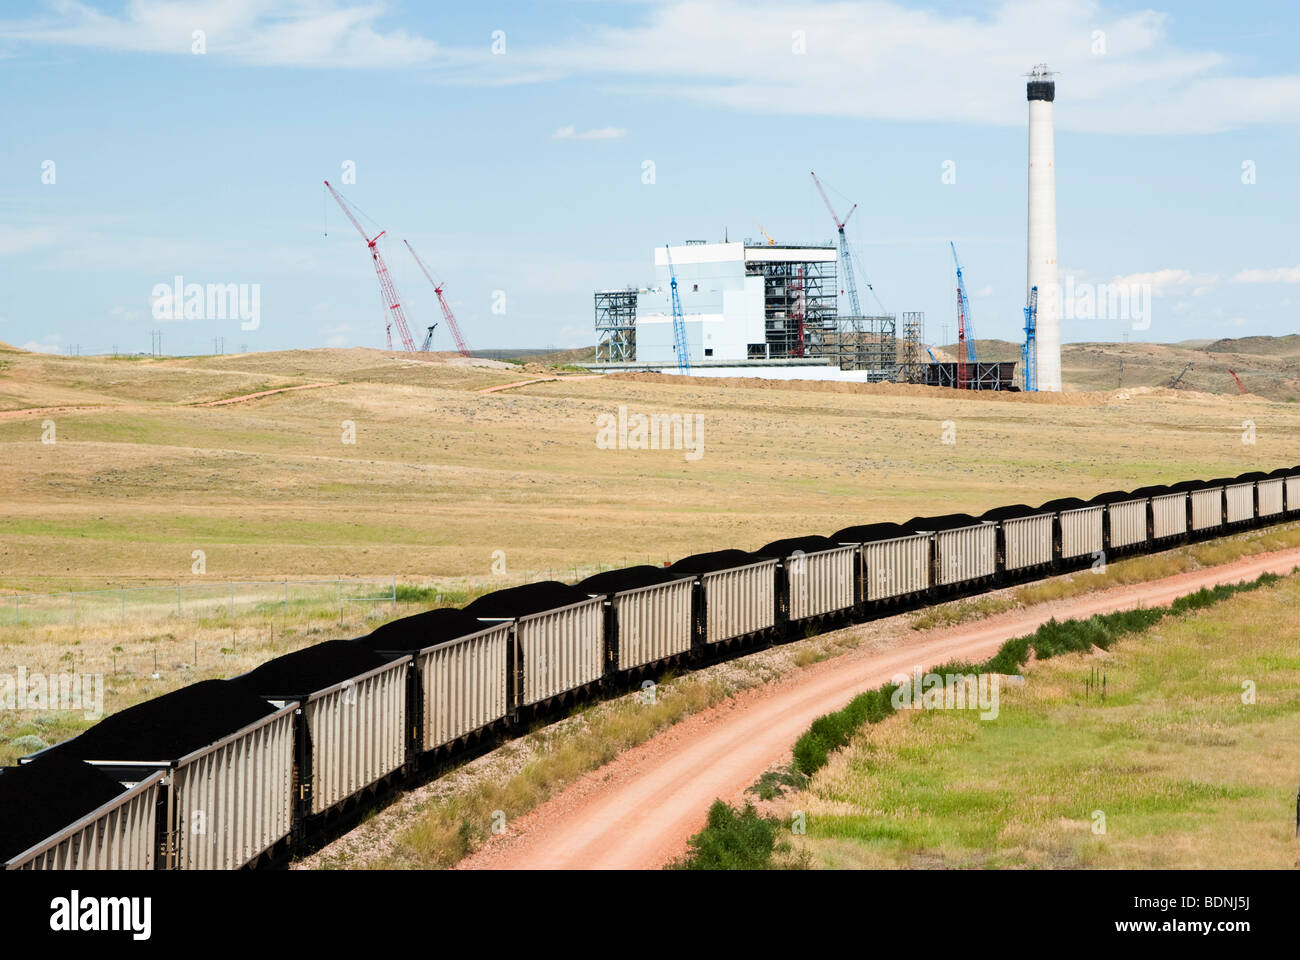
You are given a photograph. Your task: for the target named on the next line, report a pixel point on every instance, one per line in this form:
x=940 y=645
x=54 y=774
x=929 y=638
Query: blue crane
x=1029 y=352
x=965 y=328
x=679 y=322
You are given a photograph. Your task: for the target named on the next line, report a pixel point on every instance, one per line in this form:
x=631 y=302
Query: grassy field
x=1172 y=768
x=442 y=477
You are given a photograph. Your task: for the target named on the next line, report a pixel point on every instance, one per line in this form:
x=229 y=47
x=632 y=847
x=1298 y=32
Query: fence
x=198 y=600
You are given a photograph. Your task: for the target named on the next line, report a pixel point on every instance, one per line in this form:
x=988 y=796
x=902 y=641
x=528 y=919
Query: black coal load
x=791 y=545
x=1254 y=475
x=422 y=630
x=1064 y=503
x=169 y=727
x=625 y=578
x=1156 y=490
x=529 y=599
x=1113 y=496
x=698 y=563
x=948 y=521
x=870 y=532
x=310 y=669
x=1281 y=472
x=40 y=798
x=1011 y=512
x=1187 y=486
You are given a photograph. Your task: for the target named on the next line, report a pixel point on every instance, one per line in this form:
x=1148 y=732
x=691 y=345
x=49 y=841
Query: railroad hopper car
x=735 y=597
x=457 y=688
x=1270 y=495
x=350 y=713
x=894 y=564
x=963 y=550
x=1167 y=514
x=1292 y=487
x=1025 y=541
x=1079 y=530
x=1238 y=501
x=227 y=766
x=1125 y=524
x=647 y=614
x=58 y=813
x=1204 y=506
x=559 y=640
x=817 y=579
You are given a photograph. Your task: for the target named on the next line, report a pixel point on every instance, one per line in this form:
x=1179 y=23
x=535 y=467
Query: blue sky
x=210 y=165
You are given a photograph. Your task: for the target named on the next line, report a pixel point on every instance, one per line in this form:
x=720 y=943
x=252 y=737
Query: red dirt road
x=638 y=811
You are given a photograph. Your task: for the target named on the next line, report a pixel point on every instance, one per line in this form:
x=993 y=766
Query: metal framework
x=910 y=367
x=616 y=325
x=799 y=308
x=979 y=376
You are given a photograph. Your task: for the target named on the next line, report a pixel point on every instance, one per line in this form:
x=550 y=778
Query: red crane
x=1240 y=386
x=386 y=288
x=442 y=301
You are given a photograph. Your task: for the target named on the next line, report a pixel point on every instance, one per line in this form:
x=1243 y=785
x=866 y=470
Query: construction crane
x=428 y=339
x=387 y=291
x=1029 y=352
x=850 y=286
x=1179 y=379
x=1240 y=386
x=679 y=322
x=770 y=241
x=442 y=302
x=966 y=329
x=798 y=313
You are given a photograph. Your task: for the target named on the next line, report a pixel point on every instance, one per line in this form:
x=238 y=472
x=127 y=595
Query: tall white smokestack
x=1042 y=272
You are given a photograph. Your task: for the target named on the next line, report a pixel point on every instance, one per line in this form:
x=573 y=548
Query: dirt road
x=638 y=811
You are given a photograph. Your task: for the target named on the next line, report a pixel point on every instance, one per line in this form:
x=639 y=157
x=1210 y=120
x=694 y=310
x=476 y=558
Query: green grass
x=1173 y=764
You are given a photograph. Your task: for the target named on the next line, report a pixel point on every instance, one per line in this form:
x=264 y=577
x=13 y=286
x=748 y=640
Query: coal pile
x=171 y=726
x=1113 y=496
x=1011 y=512
x=305 y=671
x=40 y=798
x=786 y=548
x=626 y=578
x=1071 y=503
x=422 y=630
x=715 y=560
x=528 y=599
x=1257 y=475
x=948 y=521
x=870 y=532
x=1153 y=491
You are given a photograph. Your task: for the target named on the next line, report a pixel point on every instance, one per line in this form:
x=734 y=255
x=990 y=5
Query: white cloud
x=315 y=33
x=602 y=133
x=49 y=345
x=20 y=240
x=888 y=61
x=336 y=341
x=1274 y=275
x=1160 y=280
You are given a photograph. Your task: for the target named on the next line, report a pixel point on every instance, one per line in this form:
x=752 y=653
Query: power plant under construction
x=773 y=310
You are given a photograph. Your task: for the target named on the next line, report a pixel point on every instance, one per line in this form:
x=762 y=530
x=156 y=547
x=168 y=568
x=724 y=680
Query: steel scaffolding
x=799 y=308
x=616 y=325
x=911 y=366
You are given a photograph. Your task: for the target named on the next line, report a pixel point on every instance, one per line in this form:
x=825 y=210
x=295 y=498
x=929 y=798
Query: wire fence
x=199 y=601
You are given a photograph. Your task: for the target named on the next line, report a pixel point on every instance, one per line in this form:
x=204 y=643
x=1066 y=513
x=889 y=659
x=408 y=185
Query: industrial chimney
x=1042 y=273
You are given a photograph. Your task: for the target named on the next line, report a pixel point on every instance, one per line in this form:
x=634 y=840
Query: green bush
x=732 y=840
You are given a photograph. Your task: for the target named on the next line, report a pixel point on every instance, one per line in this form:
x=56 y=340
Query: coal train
x=230 y=774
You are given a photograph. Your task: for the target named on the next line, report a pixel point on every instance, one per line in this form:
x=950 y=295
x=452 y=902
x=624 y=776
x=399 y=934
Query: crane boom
x=966 y=328
x=1029 y=352
x=387 y=289
x=442 y=302
x=679 y=322
x=850 y=284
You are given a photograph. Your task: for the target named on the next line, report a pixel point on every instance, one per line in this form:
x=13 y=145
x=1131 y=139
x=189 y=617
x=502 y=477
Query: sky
x=534 y=152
